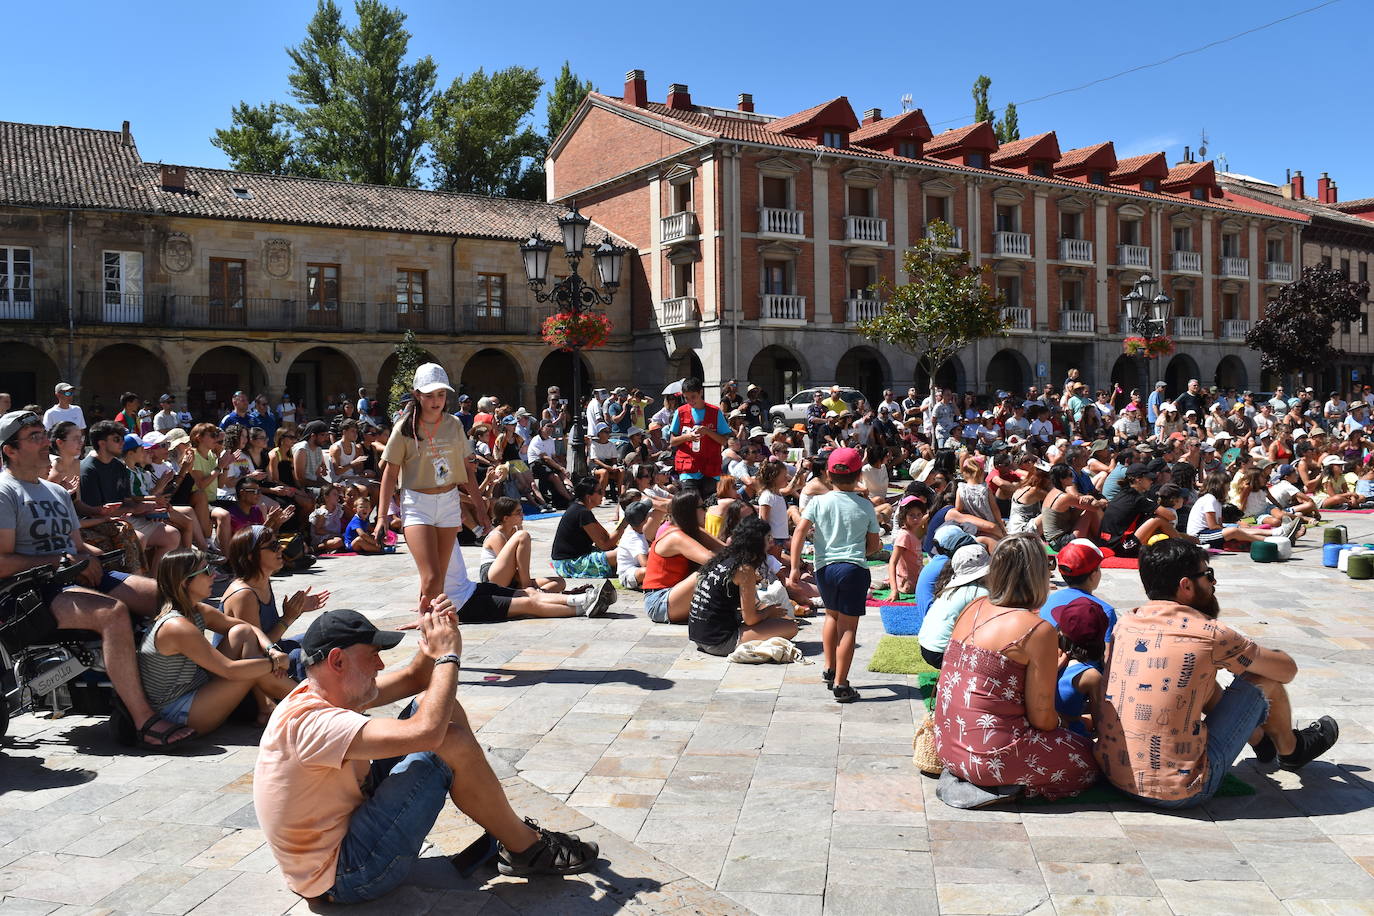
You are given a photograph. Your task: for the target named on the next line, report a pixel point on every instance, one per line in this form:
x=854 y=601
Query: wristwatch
x=451 y=658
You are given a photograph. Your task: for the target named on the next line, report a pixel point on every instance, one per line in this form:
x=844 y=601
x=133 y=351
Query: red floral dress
x=981 y=730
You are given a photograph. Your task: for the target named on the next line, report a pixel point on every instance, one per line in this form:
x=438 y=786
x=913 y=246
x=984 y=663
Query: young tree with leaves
x=981 y=111
x=482 y=140
x=943 y=307
x=563 y=98
x=1295 y=333
x=409 y=357
x=260 y=140
x=1008 y=128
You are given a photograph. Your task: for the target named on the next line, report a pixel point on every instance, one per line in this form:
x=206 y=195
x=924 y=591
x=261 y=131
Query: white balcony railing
x=1017 y=317
x=777 y=309
x=1235 y=328
x=781 y=222
x=1188 y=261
x=1132 y=256
x=1011 y=244
x=865 y=229
x=1235 y=267
x=856 y=310
x=679 y=312
x=1077 y=322
x=1185 y=326
x=958 y=238
x=1080 y=250
x=1278 y=270
x=678 y=226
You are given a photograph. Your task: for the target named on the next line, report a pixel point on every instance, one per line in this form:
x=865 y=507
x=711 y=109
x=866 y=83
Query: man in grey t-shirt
x=39 y=527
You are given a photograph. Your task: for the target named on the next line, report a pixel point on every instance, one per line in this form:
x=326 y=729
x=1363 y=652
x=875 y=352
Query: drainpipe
x=71 y=308
x=452 y=284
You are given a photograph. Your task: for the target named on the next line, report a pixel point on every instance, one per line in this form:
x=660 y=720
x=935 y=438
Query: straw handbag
x=923 y=749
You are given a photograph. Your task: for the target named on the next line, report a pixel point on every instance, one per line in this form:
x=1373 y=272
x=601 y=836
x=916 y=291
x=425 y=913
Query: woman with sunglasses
x=187 y=680
x=248 y=509
x=255 y=556
x=207 y=466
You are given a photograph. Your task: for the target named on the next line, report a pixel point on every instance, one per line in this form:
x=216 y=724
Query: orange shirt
x=1160 y=674
x=304 y=790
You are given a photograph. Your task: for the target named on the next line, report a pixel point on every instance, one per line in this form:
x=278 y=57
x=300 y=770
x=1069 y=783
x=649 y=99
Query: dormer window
x=1041 y=168
x=1199 y=193
x=977 y=160
x=1097 y=176
x=908 y=149
x=835 y=139
x=1149 y=184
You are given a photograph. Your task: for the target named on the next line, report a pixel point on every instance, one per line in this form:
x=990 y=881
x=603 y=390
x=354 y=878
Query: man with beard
x=346 y=799
x=1167 y=731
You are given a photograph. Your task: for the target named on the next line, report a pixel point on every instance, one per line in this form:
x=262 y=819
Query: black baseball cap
x=314 y=428
x=1138 y=470
x=341 y=629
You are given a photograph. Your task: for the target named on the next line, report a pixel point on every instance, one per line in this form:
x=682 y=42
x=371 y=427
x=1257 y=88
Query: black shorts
x=488 y=604
x=844 y=587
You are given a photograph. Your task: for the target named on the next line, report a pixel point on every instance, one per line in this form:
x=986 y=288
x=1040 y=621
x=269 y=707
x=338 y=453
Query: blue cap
x=132 y=442
x=951 y=537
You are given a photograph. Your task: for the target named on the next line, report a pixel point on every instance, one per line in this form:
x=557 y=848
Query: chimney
x=1334 y=196
x=746 y=101
x=173 y=178
x=1297 y=185
x=1187 y=155
x=1324 y=189
x=125 y=137
x=873 y=114
x=636 y=89
x=678 y=96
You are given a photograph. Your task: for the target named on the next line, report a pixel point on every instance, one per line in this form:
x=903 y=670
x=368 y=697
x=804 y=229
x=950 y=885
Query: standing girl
x=428 y=458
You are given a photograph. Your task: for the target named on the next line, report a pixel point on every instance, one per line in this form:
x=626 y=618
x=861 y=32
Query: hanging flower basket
x=582 y=331
x=1150 y=349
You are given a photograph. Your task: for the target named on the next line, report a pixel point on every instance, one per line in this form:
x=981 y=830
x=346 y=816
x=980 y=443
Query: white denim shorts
x=438 y=510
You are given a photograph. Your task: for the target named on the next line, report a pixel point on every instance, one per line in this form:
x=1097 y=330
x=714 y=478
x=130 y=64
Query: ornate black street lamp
x=574 y=296
x=1147 y=316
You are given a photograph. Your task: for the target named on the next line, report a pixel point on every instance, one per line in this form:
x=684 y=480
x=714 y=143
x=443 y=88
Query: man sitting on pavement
x=346 y=800
x=1167 y=730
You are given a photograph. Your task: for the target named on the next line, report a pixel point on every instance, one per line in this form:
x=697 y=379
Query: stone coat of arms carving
x=276 y=255
x=176 y=252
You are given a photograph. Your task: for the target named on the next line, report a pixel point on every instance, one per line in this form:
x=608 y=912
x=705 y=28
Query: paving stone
x=780 y=904
x=1222 y=898
x=1095 y=879
x=877 y=901
x=70 y=879
x=888 y=868
x=1300 y=877
x=990 y=898
x=1110 y=906
x=780 y=876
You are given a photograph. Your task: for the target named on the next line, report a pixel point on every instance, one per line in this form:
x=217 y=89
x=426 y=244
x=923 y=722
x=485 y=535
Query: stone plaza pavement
x=720 y=789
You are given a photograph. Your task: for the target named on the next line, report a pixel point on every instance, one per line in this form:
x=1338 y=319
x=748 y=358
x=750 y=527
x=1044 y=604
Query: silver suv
x=793 y=410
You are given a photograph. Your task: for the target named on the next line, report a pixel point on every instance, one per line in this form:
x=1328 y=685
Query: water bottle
x=696 y=444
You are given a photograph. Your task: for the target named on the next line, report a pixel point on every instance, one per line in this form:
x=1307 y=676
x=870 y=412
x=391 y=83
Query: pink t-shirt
x=909 y=560
x=304 y=790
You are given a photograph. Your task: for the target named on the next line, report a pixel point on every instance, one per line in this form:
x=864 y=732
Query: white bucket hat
x=431 y=377
x=970 y=563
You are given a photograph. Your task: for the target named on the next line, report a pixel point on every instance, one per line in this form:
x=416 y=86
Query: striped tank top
x=166 y=677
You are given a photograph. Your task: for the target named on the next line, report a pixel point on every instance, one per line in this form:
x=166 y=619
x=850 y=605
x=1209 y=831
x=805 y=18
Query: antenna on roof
x=906 y=102
x=1221 y=160
x=1202 y=147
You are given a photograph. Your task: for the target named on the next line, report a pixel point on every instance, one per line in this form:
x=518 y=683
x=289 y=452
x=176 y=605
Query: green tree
x=361 y=112
x=409 y=357
x=260 y=140
x=1295 y=333
x=563 y=98
x=981 y=111
x=1008 y=129
x=482 y=140
x=943 y=307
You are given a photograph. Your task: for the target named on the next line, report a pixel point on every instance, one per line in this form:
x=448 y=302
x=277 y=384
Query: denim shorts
x=656 y=604
x=1241 y=709
x=387 y=830
x=178 y=710
x=844 y=587
x=437 y=510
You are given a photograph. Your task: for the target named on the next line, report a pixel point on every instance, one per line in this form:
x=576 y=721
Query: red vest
x=706 y=460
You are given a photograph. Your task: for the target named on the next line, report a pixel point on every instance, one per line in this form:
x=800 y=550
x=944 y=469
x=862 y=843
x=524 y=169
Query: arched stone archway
x=682 y=364
x=216 y=375
x=865 y=369
x=1181 y=368
x=29 y=375
x=1008 y=370
x=557 y=369
x=118 y=368
x=1126 y=373
x=1231 y=373
x=319 y=376
x=492 y=372
x=778 y=371
x=950 y=375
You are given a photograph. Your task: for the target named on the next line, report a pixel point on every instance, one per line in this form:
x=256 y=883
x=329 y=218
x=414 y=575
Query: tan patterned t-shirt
x=1160 y=675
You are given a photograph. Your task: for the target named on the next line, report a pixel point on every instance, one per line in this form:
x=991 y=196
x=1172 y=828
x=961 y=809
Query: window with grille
x=491 y=295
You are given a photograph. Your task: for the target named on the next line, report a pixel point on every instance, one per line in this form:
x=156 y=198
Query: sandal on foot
x=152 y=738
x=553 y=853
x=844 y=693
x=828 y=675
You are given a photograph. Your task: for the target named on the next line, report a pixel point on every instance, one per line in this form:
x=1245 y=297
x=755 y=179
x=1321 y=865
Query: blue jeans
x=405 y=796
x=1241 y=709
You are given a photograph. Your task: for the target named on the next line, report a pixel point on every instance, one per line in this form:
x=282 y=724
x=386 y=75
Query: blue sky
x=1292 y=96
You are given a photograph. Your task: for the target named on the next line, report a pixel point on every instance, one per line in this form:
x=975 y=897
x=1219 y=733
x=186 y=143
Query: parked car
x=793 y=410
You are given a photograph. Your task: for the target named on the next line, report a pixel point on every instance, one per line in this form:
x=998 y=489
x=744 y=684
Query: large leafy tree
x=1008 y=128
x=562 y=100
x=1295 y=333
x=361 y=112
x=482 y=139
x=943 y=307
x=981 y=111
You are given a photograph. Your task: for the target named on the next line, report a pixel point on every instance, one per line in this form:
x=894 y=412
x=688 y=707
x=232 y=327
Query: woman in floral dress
x=995 y=721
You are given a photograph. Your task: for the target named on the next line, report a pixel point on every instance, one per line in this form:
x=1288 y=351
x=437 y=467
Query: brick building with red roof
x=759 y=239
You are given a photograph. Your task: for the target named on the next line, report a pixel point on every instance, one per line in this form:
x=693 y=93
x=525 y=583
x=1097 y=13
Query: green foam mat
x=899 y=655
x=925 y=686
x=885 y=594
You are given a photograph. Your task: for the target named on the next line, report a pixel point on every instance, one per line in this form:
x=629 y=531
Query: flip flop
x=164 y=736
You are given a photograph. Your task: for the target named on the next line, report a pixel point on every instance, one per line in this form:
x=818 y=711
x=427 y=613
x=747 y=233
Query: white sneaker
x=1289 y=529
x=587 y=604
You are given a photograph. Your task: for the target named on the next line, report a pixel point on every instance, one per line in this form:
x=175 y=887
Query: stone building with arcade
x=118 y=274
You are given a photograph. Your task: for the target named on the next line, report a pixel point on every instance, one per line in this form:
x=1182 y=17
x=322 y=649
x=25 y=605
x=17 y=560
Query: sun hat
x=1131 y=407
x=757 y=433
x=1331 y=460
x=1082 y=621
x=1079 y=557
x=175 y=437
x=431 y=377
x=969 y=564
x=153 y=439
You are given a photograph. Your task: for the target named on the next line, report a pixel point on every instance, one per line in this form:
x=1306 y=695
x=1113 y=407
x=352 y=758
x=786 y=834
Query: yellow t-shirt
x=837 y=404
x=422 y=460
x=207 y=464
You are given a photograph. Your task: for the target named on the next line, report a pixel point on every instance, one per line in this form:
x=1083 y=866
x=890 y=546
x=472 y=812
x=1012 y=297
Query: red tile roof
x=1362 y=203
x=909 y=124
x=70 y=167
x=1253 y=205
x=1187 y=174
x=1099 y=155
x=979 y=133
x=1150 y=165
x=834 y=113
x=1042 y=146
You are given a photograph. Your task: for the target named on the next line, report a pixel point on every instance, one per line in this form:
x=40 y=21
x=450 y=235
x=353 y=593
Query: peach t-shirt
x=304 y=790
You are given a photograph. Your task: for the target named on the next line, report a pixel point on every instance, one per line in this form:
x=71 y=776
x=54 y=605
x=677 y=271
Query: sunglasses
x=1207 y=573
x=200 y=572
x=250 y=490
x=271 y=545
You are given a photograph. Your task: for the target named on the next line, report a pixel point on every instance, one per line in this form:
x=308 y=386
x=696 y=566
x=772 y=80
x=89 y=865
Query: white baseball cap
x=431 y=377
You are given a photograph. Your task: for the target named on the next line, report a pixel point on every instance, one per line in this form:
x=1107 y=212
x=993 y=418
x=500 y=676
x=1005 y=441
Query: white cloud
x=1139 y=147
